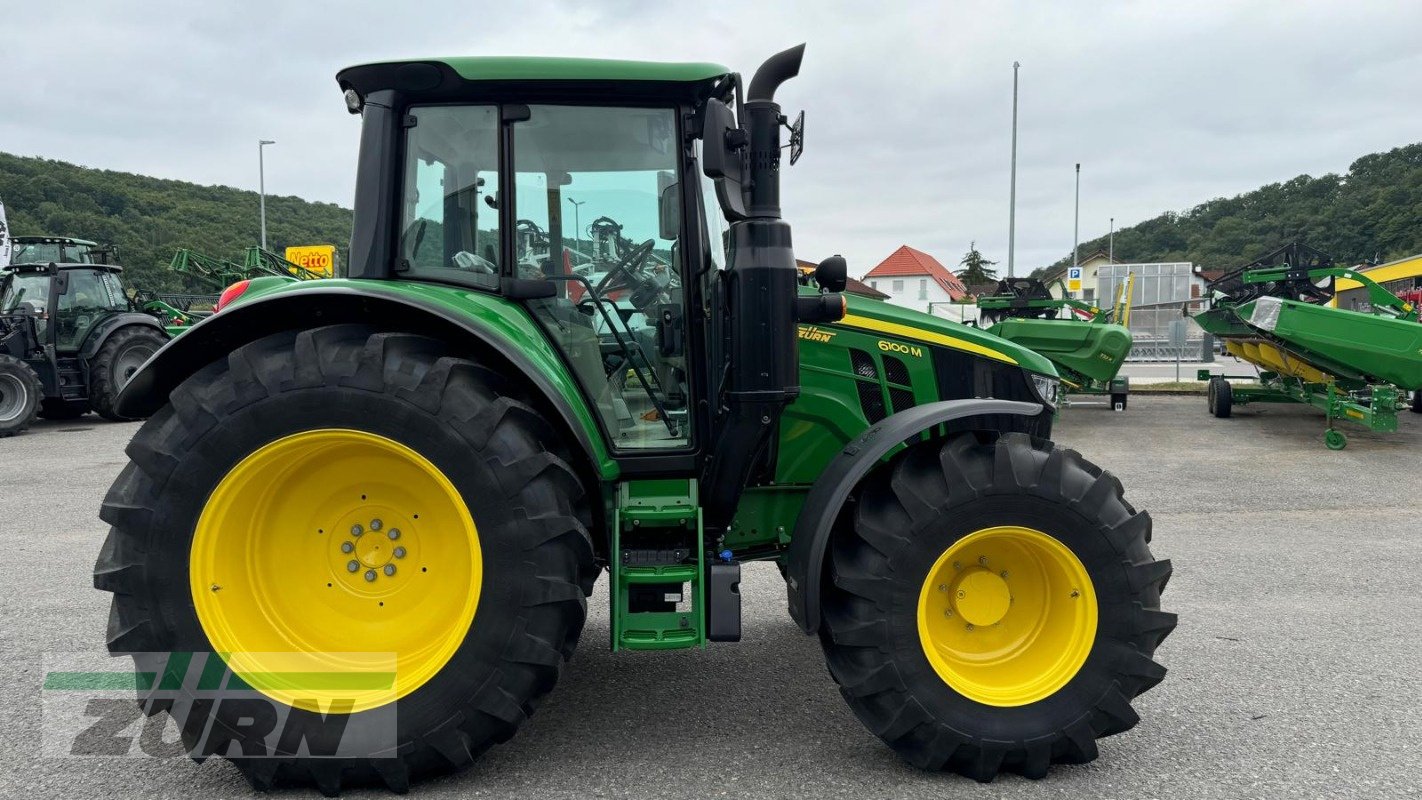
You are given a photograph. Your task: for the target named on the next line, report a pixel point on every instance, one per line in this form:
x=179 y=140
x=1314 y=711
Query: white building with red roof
x=915 y=279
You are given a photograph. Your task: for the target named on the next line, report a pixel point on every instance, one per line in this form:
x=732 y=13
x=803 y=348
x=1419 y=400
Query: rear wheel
x=338 y=492
x=993 y=606
x=1221 y=399
x=20 y=390
x=117 y=359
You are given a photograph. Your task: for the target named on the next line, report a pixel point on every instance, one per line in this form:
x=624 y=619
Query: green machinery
x=384 y=499
x=1352 y=365
x=1087 y=345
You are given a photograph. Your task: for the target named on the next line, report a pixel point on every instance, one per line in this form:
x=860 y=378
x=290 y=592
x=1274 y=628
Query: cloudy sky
x=1165 y=104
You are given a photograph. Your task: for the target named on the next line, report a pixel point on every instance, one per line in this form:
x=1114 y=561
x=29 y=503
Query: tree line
x=1371 y=213
x=148 y=219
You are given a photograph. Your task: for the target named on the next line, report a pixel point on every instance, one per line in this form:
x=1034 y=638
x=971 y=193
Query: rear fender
x=104 y=329
x=805 y=559
x=552 y=387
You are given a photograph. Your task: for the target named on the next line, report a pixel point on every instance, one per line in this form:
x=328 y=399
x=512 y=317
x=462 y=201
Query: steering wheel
x=630 y=265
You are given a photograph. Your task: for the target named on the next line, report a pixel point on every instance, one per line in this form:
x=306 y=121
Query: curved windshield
x=51 y=252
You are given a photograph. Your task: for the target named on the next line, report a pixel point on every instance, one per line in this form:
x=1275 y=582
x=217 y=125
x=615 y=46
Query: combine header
x=1087 y=345
x=1354 y=365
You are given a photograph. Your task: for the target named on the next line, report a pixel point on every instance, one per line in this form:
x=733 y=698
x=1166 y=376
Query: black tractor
x=69 y=340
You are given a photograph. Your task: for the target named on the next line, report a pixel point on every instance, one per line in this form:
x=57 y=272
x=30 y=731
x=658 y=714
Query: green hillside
x=1372 y=212
x=150 y=218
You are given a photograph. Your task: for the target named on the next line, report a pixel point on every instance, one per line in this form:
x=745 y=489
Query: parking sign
x=1073 y=279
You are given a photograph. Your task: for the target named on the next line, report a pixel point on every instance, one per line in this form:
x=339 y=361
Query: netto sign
x=319 y=258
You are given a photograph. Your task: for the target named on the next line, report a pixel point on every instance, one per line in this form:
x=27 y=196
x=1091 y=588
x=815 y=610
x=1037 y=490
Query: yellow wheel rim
x=335 y=570
x=1007 y=616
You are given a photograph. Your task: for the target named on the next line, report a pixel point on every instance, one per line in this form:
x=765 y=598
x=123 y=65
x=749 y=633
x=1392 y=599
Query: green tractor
x=431 y=460
x=70 y=337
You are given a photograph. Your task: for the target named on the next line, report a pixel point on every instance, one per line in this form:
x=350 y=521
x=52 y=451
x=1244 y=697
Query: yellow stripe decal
x=921 y=335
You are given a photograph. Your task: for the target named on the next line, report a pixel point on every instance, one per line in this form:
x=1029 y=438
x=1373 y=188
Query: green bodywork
x=1348 y=364
x=1084 y=351
x=830 y=411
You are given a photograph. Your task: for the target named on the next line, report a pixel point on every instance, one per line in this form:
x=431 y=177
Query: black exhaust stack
x=763 y=373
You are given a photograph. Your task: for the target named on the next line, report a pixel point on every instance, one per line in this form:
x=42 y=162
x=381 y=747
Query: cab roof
x=459 y=75
x=52 y=240
x=42 y=267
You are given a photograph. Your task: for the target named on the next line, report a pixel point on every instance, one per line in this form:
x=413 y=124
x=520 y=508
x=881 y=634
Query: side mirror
x=723 y=144
x=797 y=138
x=832 y=274
x=668 y=209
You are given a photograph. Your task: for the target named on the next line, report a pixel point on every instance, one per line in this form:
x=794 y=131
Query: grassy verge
x=1171 y=387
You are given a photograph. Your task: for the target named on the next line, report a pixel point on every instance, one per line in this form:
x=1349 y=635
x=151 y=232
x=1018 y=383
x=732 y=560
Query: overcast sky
x=1165 y=104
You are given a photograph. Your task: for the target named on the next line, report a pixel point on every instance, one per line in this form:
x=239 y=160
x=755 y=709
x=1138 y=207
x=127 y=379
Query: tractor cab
x=70 y=331
x=58 y=250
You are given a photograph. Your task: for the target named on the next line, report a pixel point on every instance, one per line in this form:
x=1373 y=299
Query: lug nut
x=957 y=565
x=942 y=587
x=389 y=569
x=393 y=534
x=352 y=565
x=982 y=560
x=347 y=547
x=1003 y=574
x=970 y=626
x=375 y=524
x=357 y=530
x=369 y=575
x=399 y=552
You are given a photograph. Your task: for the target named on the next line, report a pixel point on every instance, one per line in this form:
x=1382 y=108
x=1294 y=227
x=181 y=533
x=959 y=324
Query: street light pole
x=1076 y=223
x=1012 y=194
x=262 y=184
x=577 y=224
x=1111 y=243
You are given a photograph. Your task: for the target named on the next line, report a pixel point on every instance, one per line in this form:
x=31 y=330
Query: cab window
x=81 y=307
x=598 y=211
x=450 y=222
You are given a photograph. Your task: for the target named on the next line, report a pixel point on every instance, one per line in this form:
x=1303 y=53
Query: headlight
x=1047 y=389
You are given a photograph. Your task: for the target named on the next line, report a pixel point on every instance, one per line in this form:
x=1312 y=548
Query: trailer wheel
x=1334 y=439
x=20 y=391
x=319 y=495
x=992 y=605
x=118 y=358
x=1221 y=397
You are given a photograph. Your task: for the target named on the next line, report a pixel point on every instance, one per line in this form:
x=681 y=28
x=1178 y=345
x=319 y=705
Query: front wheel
x=376 y=535
x=993 y=605
x=20 y=390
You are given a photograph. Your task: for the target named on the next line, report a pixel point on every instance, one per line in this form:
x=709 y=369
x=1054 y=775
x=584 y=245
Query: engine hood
x=901 y=323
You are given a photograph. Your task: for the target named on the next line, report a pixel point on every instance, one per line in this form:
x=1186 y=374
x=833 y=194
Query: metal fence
x=1158 y=333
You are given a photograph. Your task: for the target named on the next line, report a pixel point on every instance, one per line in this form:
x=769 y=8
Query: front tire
x=117 y=359
x=20 y=390
x=232 y=521
x=992 y=605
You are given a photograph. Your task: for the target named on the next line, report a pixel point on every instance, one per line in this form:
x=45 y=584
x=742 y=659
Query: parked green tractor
x=1352 y=365
x=435 y=457
x=70 y=338
x=1087 y=344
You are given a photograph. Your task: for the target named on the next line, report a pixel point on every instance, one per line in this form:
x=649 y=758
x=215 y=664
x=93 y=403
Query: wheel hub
x=981 y=597
x=376 y=542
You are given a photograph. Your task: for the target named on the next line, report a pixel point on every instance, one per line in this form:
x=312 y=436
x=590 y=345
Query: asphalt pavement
x=1293 y=673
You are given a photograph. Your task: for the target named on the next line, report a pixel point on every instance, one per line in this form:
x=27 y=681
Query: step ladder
x=660 y=520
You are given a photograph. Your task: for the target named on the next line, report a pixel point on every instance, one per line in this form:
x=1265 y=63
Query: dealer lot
x=1293 y=672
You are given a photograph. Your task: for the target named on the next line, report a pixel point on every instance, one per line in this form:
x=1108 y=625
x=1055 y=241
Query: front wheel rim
x=273 y=584
x=1007 y=615
x=14 y=396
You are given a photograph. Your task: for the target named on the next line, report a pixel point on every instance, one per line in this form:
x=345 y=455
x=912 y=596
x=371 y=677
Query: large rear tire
x=992 y=605
x=117 y=359
x=270 y=460
x=20 y=391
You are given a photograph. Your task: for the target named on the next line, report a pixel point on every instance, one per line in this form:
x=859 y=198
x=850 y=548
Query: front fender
x=484 y=326
x=100 y=333
x=805 y=559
